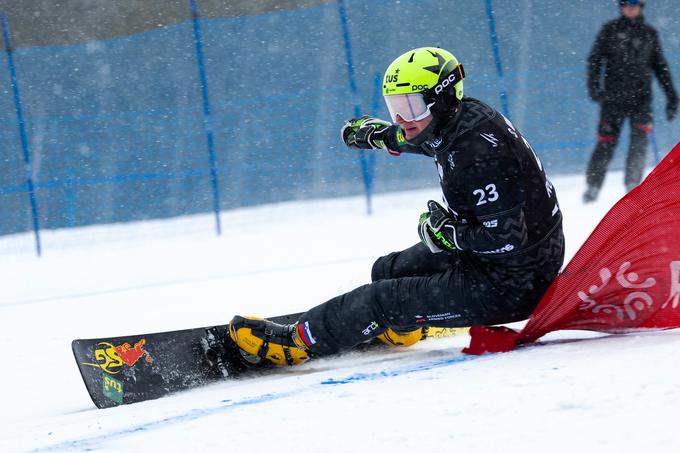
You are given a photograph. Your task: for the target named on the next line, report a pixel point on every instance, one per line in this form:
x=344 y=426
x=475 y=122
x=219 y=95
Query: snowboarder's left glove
x=365 y=133
x=437 y=229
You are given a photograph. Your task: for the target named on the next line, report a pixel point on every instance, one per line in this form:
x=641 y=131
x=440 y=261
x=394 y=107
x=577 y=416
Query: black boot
x=591 y=194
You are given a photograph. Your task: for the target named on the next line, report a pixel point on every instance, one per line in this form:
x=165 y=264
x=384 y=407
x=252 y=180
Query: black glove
x=365 y=133
x=671 y=107
x=436 y=229
x=597 y=95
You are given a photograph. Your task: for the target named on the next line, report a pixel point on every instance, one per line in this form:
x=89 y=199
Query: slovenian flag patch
x=305 y=334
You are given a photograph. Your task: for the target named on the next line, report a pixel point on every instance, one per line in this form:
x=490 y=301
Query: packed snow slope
x=576 y=391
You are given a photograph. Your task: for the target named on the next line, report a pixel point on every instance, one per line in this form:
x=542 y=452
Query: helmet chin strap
x=447 y=121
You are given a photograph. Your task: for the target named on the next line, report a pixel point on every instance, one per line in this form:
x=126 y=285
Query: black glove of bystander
x=672 y=107
x=597 y=95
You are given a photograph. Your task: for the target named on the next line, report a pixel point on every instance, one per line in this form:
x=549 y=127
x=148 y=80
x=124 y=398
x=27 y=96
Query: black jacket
x=627 y=52
x=508 y=221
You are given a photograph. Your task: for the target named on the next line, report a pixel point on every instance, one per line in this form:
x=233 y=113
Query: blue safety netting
x=117 y=132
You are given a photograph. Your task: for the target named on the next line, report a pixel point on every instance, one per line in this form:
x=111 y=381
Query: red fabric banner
x=625 y=277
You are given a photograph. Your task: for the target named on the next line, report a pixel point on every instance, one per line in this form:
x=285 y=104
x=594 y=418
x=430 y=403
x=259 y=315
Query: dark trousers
x=415 y=288
x=612 y=116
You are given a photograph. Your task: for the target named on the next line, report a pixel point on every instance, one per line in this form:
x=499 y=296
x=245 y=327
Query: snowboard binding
x=216 y=350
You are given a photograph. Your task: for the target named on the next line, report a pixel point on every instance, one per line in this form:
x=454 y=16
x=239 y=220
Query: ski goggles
x=409 y=106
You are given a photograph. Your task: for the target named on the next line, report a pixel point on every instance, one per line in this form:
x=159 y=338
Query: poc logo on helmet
x=419 y=87
x=447 y=81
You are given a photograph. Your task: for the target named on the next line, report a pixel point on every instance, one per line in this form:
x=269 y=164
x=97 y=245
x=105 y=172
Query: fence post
x=497 y=57
x=207 y=116
x=366 y=170
x=22 y=135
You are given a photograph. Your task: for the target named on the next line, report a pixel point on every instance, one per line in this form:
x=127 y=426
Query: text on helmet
x=446 y=82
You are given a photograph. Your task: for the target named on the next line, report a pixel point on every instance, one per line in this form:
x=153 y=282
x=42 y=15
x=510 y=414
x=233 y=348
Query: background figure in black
x=626 y=52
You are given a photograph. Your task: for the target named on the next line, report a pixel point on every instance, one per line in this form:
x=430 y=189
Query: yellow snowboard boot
x=403 y=337
x=260 y=339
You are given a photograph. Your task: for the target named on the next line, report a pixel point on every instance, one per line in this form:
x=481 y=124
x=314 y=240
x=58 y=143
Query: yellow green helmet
x=423 y=81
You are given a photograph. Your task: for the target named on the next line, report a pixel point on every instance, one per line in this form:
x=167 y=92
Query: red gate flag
x=625 y=277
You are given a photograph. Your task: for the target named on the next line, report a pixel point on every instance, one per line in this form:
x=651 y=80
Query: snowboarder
x=625 y=54
x=486 y=255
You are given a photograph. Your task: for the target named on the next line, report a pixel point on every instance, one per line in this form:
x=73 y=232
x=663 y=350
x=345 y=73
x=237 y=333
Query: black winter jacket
x=508 y=222
x=625 y=54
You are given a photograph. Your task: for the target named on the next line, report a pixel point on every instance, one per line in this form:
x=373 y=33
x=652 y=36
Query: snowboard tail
x=135 y=368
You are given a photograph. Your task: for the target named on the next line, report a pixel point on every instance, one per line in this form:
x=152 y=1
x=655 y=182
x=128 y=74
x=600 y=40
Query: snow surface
x=595 y=393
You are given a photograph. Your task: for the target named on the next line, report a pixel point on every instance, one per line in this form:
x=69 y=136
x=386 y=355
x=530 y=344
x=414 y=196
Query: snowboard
x=135 y=368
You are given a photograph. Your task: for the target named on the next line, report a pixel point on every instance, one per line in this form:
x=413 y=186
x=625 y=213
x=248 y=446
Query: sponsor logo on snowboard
x=113 y=389
x=111 y=358
x=130 y=355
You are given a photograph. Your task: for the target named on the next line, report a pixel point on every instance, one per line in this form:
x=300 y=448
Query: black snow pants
x=612 y=116
x=414 y=288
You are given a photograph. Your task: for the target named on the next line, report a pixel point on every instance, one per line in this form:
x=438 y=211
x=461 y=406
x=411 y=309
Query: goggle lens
x=410 y=106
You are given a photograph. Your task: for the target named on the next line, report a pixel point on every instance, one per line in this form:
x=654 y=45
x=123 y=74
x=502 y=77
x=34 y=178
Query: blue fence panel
x=116 y=128
x=276 y=122
x=15 y=211
x=117 y=133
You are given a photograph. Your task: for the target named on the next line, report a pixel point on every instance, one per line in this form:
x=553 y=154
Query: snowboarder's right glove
x=436 y=229
x=365 y=133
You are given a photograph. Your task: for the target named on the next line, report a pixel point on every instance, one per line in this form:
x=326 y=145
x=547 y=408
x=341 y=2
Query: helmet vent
x=410 y=60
